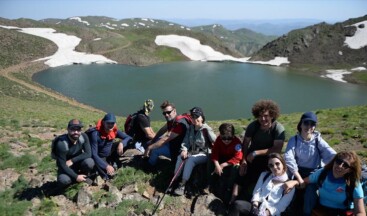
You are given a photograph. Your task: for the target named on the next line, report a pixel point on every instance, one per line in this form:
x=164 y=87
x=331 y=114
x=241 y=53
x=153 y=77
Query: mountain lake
x=224 y=90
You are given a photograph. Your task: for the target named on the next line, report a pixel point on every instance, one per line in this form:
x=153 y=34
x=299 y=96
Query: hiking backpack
x=63 y=142
x=129 y=124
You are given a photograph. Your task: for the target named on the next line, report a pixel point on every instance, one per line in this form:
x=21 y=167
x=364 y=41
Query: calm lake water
x=223 y=90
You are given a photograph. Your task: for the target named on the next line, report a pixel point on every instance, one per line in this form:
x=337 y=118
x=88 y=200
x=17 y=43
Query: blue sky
x=326 y=10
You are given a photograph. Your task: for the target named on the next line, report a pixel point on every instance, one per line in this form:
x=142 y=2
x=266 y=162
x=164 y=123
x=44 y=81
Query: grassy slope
x=28 y=117
x=26 y=113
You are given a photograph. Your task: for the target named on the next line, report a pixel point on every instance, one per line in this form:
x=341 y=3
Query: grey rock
x=84 y=197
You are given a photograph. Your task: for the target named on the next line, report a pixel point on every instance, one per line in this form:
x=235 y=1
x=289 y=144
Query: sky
x=325 y=10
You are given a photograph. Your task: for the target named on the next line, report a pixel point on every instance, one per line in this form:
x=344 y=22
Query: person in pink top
x=226 y=157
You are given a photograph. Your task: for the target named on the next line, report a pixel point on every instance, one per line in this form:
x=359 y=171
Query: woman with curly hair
x=263 y=136
x=340 y=190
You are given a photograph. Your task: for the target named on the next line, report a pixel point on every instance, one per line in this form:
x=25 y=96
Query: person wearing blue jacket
x=306 y=152
x=105 y=151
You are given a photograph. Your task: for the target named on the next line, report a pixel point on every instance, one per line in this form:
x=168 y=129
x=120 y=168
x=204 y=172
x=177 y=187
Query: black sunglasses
x=339 y=161
x=167 y=112
x=309 y=123
x=226 y=138
x=276 y=164
x=78 y=129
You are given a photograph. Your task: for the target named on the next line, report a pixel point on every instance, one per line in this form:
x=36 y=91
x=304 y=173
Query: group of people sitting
x=251 y=176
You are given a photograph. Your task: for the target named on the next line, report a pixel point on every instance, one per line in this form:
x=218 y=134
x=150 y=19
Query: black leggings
x=240 y=207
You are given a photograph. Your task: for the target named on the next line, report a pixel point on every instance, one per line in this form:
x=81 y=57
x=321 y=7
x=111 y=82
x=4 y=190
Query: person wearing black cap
x=73 y=155
x=195 y=148
x=306 y=152
x=105 y=151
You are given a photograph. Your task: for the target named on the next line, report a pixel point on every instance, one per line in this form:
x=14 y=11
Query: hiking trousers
x=191 y=162
x=83 y=167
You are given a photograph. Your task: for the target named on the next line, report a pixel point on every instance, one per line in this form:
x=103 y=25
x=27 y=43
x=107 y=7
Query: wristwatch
x=253 y=154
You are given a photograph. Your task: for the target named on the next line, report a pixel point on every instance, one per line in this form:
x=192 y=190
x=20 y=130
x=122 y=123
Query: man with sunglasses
x=73 y=155
x=105 y=151
x=167 y=141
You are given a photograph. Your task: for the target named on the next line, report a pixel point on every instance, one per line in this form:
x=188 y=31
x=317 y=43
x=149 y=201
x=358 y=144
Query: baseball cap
x=75 y=123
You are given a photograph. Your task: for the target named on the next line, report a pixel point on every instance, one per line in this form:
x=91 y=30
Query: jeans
x=190 y=163
x=310 y=199
x=155 y=153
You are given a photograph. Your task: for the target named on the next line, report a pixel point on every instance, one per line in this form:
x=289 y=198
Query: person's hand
x=184 y=155
x=250 y=157
x=120 y=149
x=243 y=168
x=81 y=178
x=233 y=198
x=218 y=170
x=254 y=210
x=147 y=152
x=110 y=170
x=289 y=185
x=69 y=163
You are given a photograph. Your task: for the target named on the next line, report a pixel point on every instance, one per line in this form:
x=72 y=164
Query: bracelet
x=253 y=154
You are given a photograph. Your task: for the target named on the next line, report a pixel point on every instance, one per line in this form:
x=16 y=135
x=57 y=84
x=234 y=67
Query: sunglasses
x=78 y=129
x=309 y=123
x=167 y=112
x=226 y=138
x=344 y=164
x=276 y=164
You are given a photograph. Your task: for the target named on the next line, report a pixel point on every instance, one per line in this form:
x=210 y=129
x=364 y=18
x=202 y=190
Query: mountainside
x=131 y=41
x=320 y=44
x=245 y=41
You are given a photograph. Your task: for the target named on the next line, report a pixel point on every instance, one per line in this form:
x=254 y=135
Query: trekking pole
x=169 y=186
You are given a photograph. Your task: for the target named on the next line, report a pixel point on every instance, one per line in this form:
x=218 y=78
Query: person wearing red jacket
x=226 y=156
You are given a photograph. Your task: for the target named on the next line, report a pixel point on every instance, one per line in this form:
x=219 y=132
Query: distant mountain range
x=266 y=27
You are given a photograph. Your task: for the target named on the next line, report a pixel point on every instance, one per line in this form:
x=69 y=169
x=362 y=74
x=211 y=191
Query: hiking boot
x=180 y=190
x=205 y=191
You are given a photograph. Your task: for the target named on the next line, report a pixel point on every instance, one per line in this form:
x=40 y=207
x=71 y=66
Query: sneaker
x=180 y=190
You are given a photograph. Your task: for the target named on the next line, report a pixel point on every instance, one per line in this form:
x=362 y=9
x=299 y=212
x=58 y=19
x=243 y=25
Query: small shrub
x=47 y=207
x=333 y=142
x=72 y=191
x=15 y=124
x=327 y=131
x=128 y=176
x=47 y=165
x=20 y=163
x=33 y=141
x=10 y=206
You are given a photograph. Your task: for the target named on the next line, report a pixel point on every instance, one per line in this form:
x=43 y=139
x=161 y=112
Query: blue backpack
x=364 y=182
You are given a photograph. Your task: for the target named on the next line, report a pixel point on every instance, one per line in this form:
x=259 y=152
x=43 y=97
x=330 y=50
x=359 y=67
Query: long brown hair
x=355 y=165
x=278 y=156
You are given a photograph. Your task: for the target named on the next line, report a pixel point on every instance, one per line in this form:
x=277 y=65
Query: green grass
x=47 y=207
x=28 y=112
x=129 y=175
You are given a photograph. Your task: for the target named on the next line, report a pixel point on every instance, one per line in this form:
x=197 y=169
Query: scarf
x=281 y=178
x=110 y=135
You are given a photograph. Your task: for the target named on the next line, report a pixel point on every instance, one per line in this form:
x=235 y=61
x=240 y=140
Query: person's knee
x=64 y=180
x=88 y=164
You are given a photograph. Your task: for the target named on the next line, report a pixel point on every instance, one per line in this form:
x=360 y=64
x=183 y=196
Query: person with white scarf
x=268 y=196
